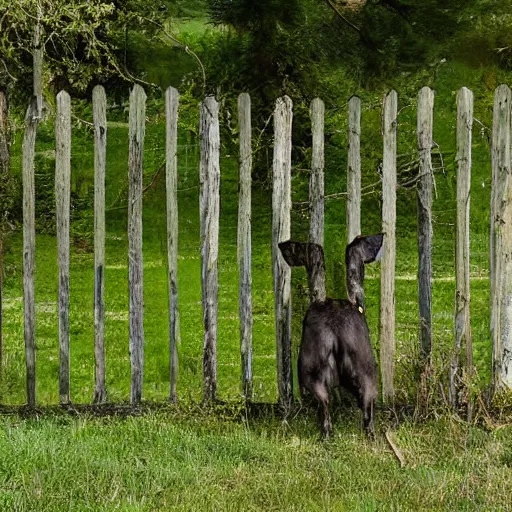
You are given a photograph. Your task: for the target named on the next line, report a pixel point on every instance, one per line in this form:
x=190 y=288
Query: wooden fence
x=209 y=171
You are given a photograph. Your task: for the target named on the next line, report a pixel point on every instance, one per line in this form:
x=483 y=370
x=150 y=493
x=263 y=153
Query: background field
x=229 y=457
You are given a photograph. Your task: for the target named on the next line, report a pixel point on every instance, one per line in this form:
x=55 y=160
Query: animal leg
x=368 y=400
x=322 y=395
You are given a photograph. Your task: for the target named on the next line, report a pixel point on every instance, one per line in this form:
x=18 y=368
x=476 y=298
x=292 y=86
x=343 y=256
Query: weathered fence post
x=387 y=288
x=62 y=200
x=135 y=265
x=244 y=243
x=354 y=169
x=424 y=195
x=5 y=171
x=501 y=241
x=29 y=247
x=462 y=328
x=99 y=113
x=281 y=211
x=209 y=198
x=171 y=181
x=316 y=182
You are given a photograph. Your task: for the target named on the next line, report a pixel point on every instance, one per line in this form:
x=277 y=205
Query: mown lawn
x=197 y=460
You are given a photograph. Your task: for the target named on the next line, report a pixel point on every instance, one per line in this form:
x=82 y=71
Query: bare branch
x=181 y=45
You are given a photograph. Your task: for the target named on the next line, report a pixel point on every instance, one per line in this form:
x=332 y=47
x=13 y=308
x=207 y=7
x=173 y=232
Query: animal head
x=361 y=251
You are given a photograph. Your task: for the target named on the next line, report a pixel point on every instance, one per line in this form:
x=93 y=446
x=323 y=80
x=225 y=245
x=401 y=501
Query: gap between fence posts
x=462 y=327
x=209 y=199
x=354 y=169
x=316 y=181
x=62 y=201
x=99 y=114
x=281 y=211
x=136 y=128
x=501 y=241
x=387 y=288
x=424 y=198
x=171 y=183
x=244 y=244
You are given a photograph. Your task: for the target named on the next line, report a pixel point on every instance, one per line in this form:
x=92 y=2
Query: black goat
x=335 y=348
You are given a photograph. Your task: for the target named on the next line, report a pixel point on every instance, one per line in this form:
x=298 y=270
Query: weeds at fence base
x=496 y=415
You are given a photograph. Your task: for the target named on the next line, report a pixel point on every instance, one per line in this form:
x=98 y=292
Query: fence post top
x=465 y=91
x=284 y=101
x=172 y=90
x=63 y=95
x=138 y=90
x=502 y=89
x=426 y=90
x=391 y=94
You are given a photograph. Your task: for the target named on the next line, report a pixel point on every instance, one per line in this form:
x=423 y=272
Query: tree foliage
x=83 y=42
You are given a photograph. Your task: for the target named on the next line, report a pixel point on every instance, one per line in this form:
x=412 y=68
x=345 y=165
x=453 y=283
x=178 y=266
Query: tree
x=83 y=42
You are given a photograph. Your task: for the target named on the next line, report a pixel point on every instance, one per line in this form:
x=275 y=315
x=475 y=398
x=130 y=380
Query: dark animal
x=335 y=348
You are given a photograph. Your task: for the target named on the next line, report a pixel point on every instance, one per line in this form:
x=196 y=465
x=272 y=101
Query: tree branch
x=362 y=37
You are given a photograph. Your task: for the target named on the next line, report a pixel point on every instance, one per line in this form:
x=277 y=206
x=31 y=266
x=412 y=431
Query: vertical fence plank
x=316 y=182
x=171 y=182
x=387 y=289
x=62 y=200
x=209 y=197
x=462 y=328
x=244 y=243
x=501 y=241
x=37 y=63
x=281 y=211
x=29 y=248
x=424 y=196
x=99 y=112
x=135 y=266
x=354 y=169
x=4 y=174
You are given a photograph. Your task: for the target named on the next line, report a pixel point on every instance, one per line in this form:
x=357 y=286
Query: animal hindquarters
x=317 y=369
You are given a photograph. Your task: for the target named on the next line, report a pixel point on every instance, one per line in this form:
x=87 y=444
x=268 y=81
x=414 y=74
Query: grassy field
x=179 y=459
x=190 y=458
x=155 y=276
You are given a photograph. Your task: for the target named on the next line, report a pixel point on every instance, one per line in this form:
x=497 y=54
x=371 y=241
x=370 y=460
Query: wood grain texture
x=29 y=247
x=425 y=122
x=136 y=129
x=171 y=182
x=209 y=203
x=99 y=113
x=501 y=240
x=387 y=288
x=354 y=169
x=4 y=172
x=62 y=200
x=244 y=251
x=316 y=181
x=281 y=211
x=462 y=294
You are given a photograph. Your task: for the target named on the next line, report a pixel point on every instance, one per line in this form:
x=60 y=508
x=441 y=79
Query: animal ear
x=294 y=253
x=369 y=247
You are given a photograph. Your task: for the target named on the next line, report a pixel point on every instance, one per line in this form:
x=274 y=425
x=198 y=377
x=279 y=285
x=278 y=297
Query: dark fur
x=335 y=348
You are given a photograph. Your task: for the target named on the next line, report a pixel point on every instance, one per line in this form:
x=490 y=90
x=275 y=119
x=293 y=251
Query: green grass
x=196 y=460
x=12 y=388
